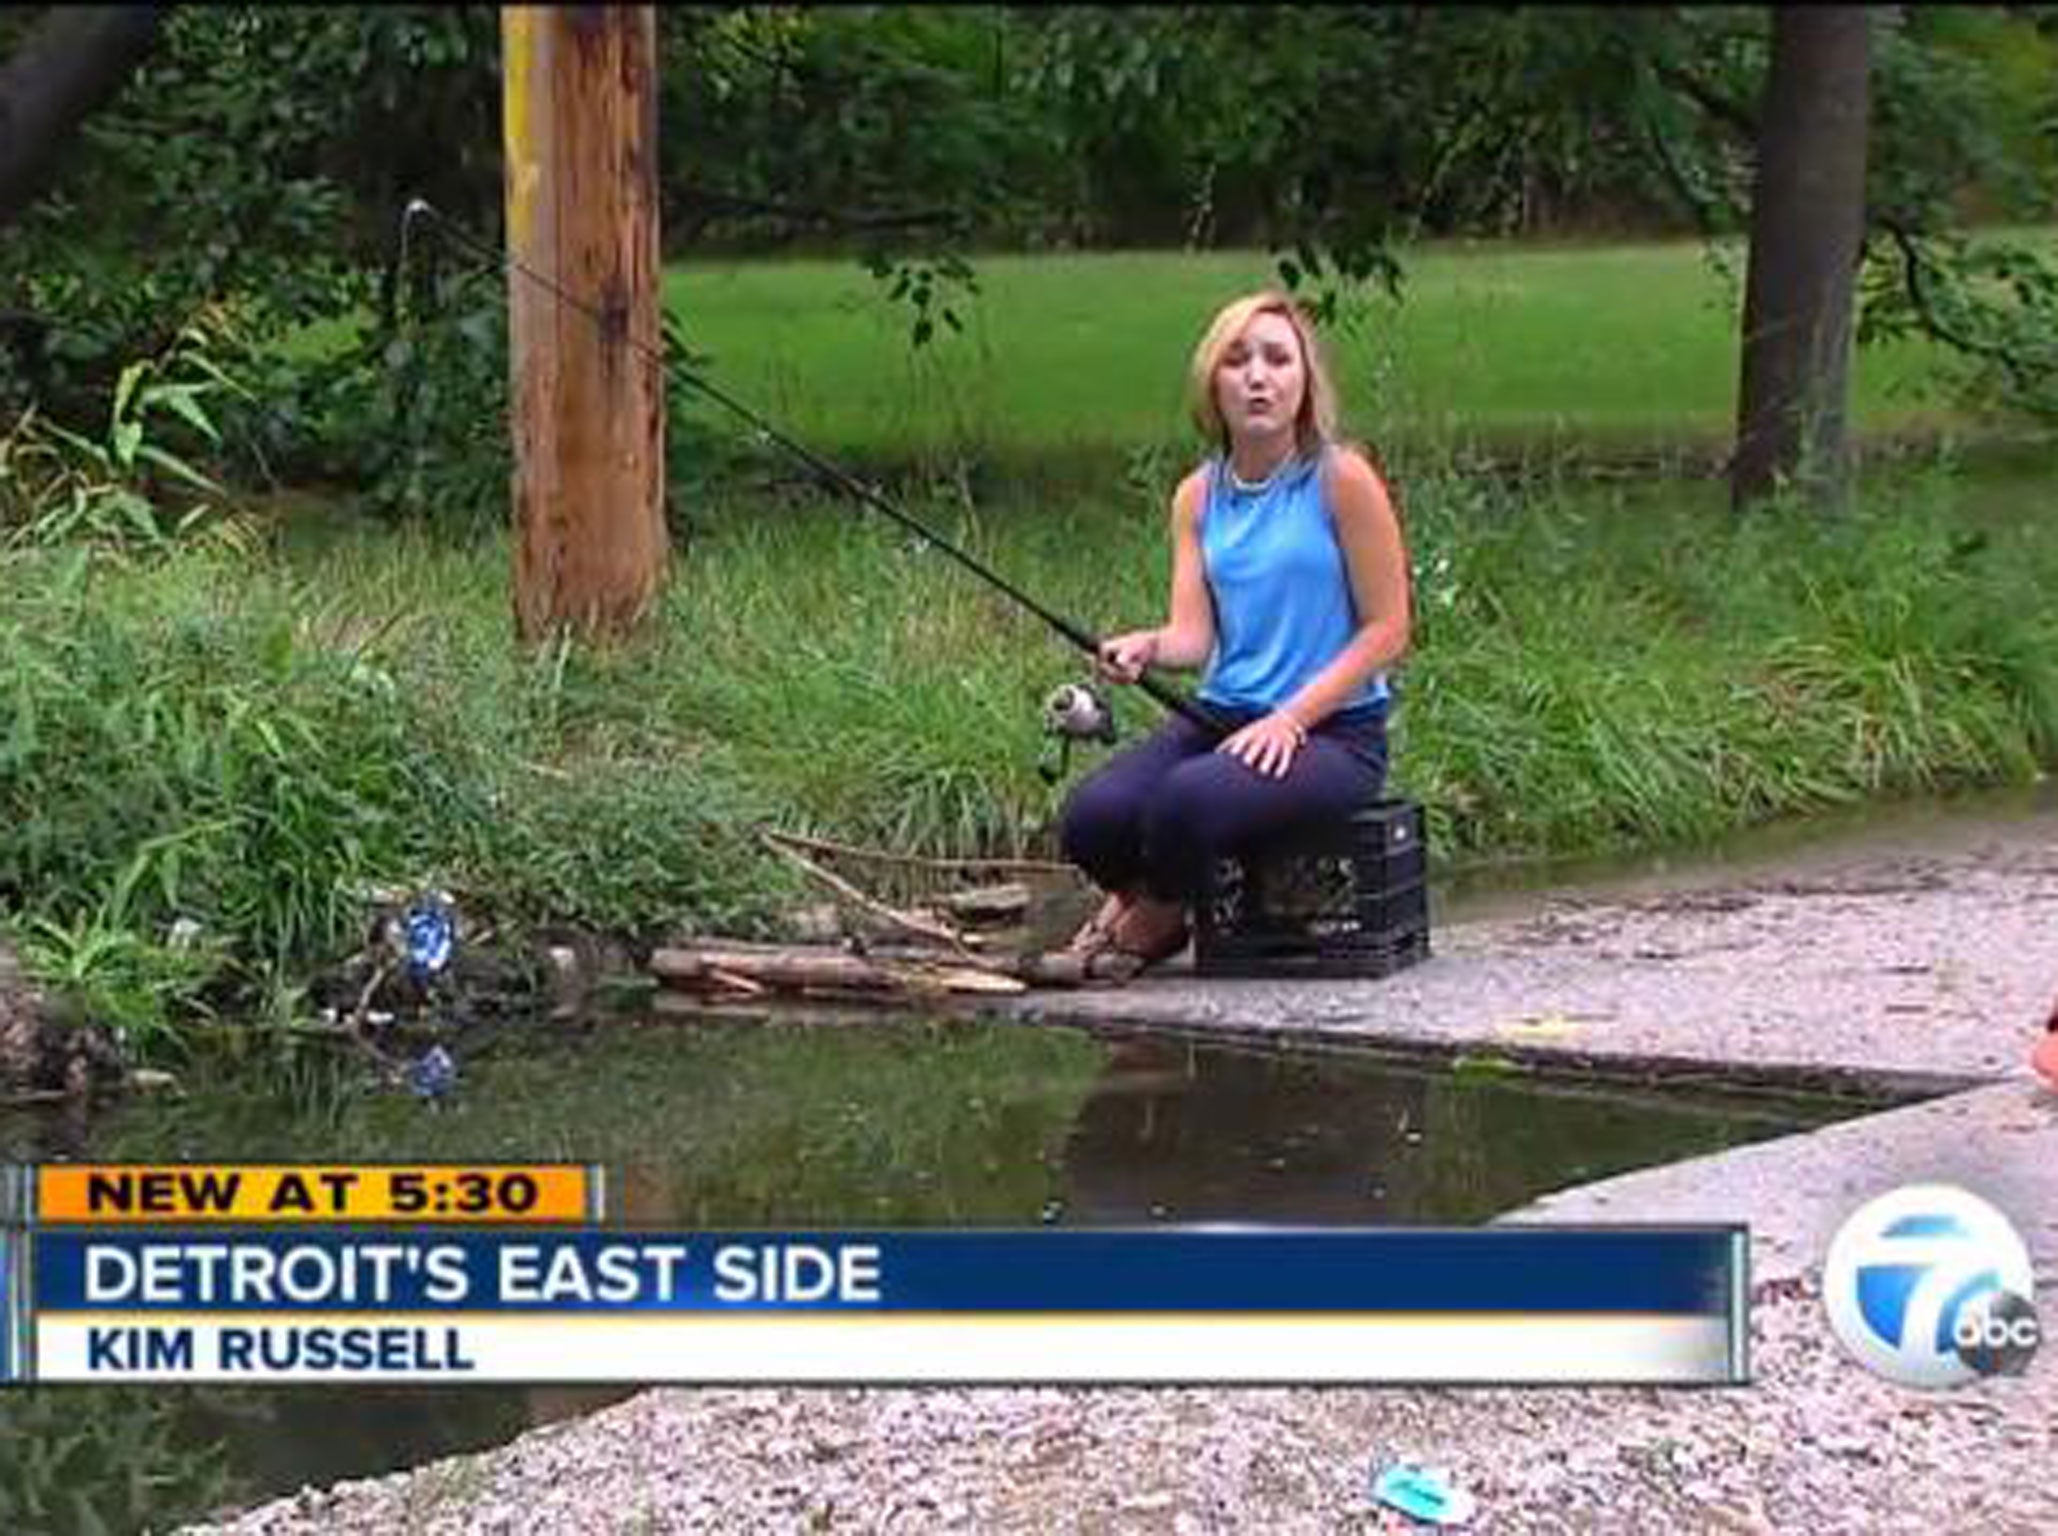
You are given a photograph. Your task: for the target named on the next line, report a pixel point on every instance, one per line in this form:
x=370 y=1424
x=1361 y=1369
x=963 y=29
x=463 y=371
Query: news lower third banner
x=387 y=1302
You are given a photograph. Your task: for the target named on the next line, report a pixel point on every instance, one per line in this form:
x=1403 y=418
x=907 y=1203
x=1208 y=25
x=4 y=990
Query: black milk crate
x=1349 y=899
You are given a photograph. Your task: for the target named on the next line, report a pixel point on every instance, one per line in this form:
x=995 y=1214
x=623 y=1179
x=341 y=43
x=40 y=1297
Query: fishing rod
x=1170 y=698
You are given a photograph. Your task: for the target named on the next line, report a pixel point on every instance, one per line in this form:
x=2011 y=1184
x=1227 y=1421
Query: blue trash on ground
x=433 y=1073
x=1422 y=1493
x=431 y=937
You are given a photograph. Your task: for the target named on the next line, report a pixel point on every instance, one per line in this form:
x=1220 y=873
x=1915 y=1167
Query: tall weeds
x=1610 y=672
x=193 y=782
x=246 y=736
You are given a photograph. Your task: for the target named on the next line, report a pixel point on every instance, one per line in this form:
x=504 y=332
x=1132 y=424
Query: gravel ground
x=1812 y=1445
x=1935 y=964
x=1908 y=963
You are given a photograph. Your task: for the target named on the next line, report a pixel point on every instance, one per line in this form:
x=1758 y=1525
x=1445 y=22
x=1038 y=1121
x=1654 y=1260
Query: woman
x=1290 y=581
x=2043 y=1057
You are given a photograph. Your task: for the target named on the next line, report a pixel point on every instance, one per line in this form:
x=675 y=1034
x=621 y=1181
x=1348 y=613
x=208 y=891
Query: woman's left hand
x=1267 y=745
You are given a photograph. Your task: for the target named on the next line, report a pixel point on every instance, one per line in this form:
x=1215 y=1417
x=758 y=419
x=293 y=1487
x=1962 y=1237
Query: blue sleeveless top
x=1282 y=592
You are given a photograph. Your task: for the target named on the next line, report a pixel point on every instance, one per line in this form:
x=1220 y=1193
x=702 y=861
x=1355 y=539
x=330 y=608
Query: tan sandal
x=1102 y=952
x=1159 y=947
x=1172 y=946
x=1097 y=933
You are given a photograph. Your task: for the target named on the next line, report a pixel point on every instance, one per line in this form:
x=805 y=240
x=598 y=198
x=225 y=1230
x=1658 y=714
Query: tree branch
x=715 y=200
x=1683 y=189
x=74 y=62
x=1914 y=261
x=1737 y=118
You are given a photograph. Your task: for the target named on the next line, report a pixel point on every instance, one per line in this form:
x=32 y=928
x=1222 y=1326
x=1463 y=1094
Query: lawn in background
x=1621 y=349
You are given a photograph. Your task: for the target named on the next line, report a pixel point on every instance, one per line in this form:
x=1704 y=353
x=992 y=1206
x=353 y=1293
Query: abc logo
x=1929 y=1286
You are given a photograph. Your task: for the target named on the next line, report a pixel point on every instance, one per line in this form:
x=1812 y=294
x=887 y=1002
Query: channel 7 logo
x=1929 y=1286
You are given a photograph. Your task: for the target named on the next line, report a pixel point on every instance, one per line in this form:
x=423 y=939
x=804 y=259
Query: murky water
x=879 y=1122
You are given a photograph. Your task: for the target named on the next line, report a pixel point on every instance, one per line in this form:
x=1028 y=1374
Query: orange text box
x=126 y=1194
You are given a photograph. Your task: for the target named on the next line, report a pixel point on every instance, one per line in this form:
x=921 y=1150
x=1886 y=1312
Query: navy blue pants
x=1157 y=814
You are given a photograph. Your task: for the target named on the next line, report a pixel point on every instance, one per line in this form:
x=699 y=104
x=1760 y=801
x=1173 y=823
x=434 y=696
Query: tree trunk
x=1807 y=227
x=72 y=63
x=586 y=406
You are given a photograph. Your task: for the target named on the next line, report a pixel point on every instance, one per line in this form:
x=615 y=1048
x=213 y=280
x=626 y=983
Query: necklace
x=1253 y=487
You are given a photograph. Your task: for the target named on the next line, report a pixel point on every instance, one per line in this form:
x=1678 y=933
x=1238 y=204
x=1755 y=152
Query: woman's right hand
x=1122 y=658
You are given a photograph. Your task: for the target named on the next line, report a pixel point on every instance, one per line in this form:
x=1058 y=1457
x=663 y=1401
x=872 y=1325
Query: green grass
x=1618 y=349
x=1078 y=359
x=244 y=736
x=243 y=731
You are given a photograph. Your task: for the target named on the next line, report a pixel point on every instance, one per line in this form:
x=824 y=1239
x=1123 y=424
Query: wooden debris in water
x=897 y=927
x=802 y=968
x=916 y=923
x=1006 y=903
x=731 y=968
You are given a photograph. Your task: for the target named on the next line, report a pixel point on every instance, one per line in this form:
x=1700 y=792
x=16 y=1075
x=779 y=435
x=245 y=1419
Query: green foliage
x=173 y=754
x=1576 y=684
x=627 y=844
x=1585 y=688
x=260 y=155
x=1964 y=130
x=108 y=1460
x=1332 y=133
x=249 y=764
x=871 y=125
x=926 y=287
x=117 y=974
x=188 y=740
x=413 y=415
x=1962 y=118
x=1483 y=122
x=888 y=131
x=1993 y=302
x=245 y=744
x=264 y=155
x=58 y=486
x=242 y=733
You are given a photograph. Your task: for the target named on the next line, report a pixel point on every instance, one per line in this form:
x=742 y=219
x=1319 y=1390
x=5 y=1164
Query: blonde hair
x=1315 y=423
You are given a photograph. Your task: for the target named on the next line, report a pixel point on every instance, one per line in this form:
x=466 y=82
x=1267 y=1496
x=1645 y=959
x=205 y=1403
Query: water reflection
x=774 y=1123
x=1180 y=1131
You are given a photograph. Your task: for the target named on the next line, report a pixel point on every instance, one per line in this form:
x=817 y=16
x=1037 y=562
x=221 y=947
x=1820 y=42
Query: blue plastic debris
x=433 y=1073
x=1424 y=1494
x=431 y=937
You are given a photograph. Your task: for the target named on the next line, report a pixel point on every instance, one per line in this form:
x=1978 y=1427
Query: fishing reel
x=1073 y=712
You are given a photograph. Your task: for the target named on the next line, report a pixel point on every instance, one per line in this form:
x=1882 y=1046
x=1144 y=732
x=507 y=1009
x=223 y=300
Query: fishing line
x=615 y=325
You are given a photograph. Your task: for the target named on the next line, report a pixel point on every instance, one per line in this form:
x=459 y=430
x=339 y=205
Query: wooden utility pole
x=579 y=98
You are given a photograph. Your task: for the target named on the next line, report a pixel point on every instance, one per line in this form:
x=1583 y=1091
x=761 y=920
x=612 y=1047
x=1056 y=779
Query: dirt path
x=1921 y=967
